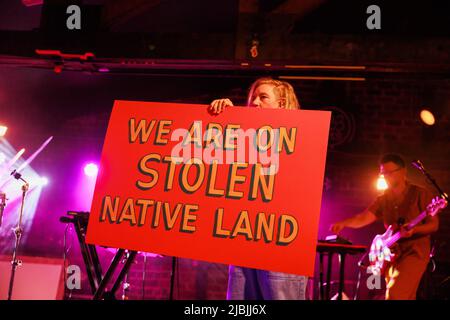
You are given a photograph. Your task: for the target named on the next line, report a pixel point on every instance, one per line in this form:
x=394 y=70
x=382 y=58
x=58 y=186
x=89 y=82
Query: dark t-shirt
x=389 y=208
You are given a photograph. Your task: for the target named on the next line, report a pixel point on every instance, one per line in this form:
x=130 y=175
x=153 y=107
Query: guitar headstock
x=2 y=199
x=437 y=204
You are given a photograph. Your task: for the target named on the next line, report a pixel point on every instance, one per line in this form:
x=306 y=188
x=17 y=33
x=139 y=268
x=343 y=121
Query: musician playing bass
x=400 y=203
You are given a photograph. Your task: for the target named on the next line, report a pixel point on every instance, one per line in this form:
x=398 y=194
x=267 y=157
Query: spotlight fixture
x=427 y=117
x=91 y=170
x=3 y=130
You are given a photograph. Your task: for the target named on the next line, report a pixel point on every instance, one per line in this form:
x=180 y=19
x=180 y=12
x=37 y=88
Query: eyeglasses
x=387 y=173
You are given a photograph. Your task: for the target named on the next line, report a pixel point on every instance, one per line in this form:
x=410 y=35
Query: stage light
x=30 y=3
x=35 y=154
x=43 y=181
x=91 y=170
x=427 y=117
x=3 y=130
x=58 y=68
x=84 y=187
x=381 y=183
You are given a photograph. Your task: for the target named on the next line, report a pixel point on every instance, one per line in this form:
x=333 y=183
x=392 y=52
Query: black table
x=328 y=249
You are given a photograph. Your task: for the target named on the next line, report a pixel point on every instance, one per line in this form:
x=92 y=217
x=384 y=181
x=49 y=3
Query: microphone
x=401 y=221
x=18 y=176
x=418 y=165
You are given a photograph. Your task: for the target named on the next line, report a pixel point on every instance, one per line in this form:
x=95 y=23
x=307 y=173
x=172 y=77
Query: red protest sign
x=241 y=188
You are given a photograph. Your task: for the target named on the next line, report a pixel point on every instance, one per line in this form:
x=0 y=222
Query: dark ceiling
x=137 y=35
x=411 y=18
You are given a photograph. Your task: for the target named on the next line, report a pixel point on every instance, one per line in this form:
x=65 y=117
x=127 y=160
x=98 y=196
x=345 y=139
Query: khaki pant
x=404 y=275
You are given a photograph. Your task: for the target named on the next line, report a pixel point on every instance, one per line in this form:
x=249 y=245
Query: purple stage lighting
x=91 y=170
x=43 y=181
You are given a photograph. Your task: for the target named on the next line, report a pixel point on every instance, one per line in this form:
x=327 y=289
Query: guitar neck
x=395 y=237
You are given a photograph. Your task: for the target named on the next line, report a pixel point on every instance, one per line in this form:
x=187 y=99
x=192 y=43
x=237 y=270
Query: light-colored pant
x=403 y=277
x=253 y=284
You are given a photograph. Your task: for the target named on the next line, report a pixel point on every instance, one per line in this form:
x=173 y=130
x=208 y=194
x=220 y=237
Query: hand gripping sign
x=241 y=188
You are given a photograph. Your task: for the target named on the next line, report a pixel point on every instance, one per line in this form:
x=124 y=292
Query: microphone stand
x=18 y=233
x=418 y=165
x=361 y=267
x=2 y=205
x=172 y=277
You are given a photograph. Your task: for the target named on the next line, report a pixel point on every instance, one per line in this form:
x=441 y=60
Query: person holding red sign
x=247 y=283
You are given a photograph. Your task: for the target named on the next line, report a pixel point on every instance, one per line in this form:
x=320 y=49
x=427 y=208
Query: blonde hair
x=283 y=89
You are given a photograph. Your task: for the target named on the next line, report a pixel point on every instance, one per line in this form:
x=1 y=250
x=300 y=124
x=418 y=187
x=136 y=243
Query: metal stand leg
x=109 y=273
x=321 y=297
x=95 y=261
x=93 y=276
x=101 y=291
x=15 y=262
x=124 y=271
x=172 y=277
x=18 y=233
x=341 y=274
x=330 y=260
